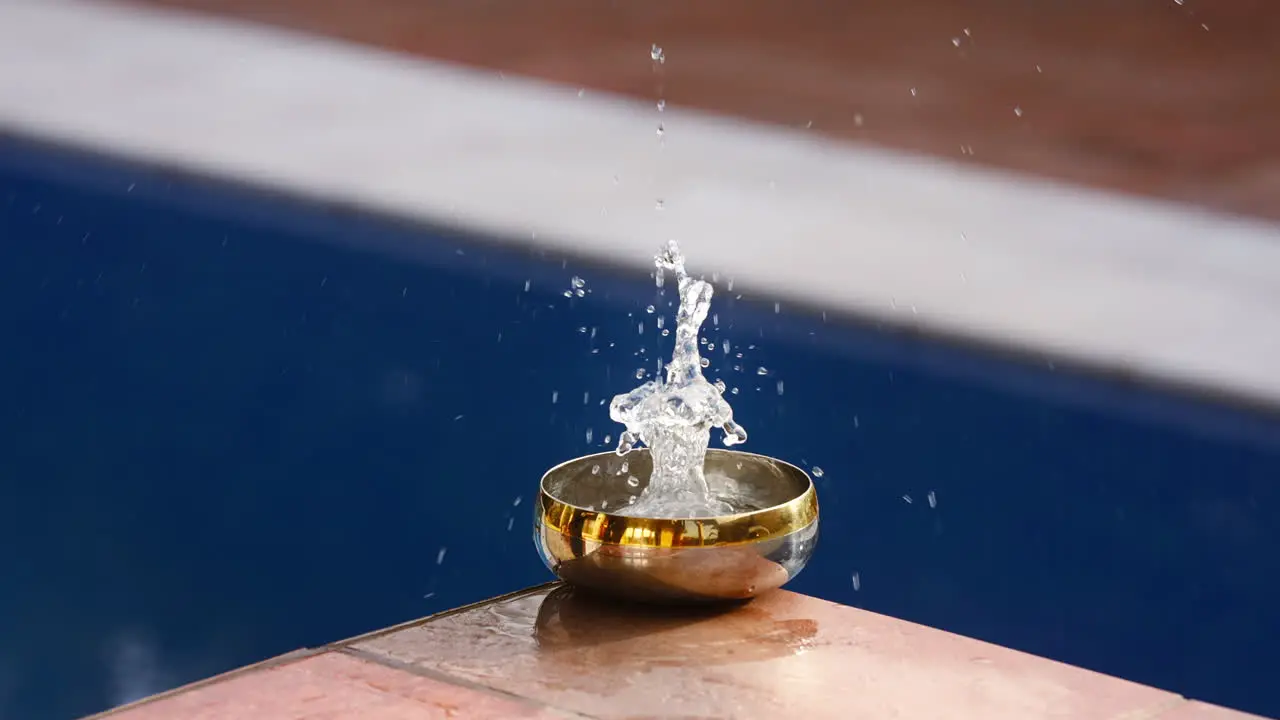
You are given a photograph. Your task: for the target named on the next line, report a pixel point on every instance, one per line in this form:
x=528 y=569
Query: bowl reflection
x=595 y=630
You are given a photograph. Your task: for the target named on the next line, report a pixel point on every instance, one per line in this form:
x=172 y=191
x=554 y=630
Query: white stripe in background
x=1169 y=292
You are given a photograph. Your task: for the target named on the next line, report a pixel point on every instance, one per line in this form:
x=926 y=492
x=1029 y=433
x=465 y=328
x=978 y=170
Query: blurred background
x=1155 y=97
x=232 y=422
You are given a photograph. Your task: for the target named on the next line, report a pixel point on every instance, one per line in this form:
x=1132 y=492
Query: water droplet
x=604 y=504
x=720 y=386
x=777 y=308
x=955 y=41
x=857 y=582
x=665 y=332
x=779 y=387
x=516 y=502
x=651 y=309
x=440 y=555
x=657 y=55
x=913 y=92
x=555 y=396
x=662 y=105
x=580 y=292
x=933 y=499
x=626 y=441
x=633 y=481
x=568 y=293
x=704 y=362
x=762 y=370
x=661 y=130
x=577 y=282
x=639 y=373
x=734 y=434
x=1017 y=110
x=595 y=469
x=658 y=205
x=818 y=472
x=733 y=391
x=589 y=434
x=608 y=439
x=907 y=499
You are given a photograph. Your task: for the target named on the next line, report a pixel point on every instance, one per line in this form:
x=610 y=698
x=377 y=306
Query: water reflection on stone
x=591 y=631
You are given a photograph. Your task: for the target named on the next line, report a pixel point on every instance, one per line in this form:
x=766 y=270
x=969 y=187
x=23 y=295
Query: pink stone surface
x=330 y=686
x=551 y=653
x=783 y=655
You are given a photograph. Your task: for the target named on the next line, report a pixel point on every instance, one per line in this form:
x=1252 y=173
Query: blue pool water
x=231 y=426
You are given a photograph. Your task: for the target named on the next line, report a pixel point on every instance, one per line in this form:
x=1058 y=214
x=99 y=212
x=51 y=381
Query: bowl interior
x=607 y=481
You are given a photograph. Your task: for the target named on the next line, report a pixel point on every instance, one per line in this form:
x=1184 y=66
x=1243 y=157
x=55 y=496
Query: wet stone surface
x=781 y=655
x=552 y=652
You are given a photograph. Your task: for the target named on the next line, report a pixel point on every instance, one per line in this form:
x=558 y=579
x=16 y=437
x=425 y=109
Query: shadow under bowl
x=583 y=540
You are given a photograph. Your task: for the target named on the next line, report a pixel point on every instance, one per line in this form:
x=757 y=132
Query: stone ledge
x=550 y=652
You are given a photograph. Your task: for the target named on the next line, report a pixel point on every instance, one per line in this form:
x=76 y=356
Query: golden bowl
x=701 y=559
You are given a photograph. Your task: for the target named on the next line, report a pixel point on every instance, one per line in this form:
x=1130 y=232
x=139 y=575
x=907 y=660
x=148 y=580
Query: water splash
x=674 y=416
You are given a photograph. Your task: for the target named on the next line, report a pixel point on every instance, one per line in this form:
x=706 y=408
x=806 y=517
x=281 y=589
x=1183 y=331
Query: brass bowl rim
x=708 y=531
